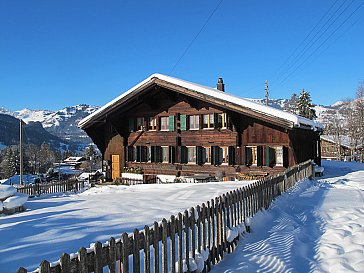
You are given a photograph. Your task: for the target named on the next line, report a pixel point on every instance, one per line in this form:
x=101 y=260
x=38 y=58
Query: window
x=279 y=155
x=191 y=154
x=149 y=154
x=171 y=154
x=152 y=123
x=221 y=120
x=141 y=153
x=156 y=154
x=140 y=124
x=206 y=155
x=194 y=122
x=224 y=155
x=131 y=154
x=254 y=155
x=270 y=156
x=215 y=155
x=165 y=154
x=131 y=125
x=208 y=121
x=164 y=124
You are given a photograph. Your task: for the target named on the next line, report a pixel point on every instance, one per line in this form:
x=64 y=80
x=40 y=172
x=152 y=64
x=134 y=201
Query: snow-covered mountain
x=323 y=112
x=61 y=123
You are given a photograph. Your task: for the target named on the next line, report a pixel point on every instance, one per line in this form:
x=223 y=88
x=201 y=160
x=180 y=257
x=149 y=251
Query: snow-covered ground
x=316 y=227
x=63 y=223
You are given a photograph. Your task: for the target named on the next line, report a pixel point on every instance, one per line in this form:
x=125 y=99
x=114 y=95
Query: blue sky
x=61 y=53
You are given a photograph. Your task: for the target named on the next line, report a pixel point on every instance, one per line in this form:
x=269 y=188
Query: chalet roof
x=205 y=93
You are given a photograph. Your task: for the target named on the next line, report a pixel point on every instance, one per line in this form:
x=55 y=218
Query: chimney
x=220 y=85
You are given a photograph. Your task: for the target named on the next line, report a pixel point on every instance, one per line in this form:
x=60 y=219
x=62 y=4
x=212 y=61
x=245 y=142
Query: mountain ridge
x=63 y=123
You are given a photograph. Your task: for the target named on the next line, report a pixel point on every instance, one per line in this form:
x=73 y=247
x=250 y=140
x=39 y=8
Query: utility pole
x=266 y=92
x=21 y=152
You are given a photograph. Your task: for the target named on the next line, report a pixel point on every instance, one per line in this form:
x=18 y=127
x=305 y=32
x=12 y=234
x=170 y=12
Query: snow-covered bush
x=11 y=199
x=15 y=201
x=6 y=191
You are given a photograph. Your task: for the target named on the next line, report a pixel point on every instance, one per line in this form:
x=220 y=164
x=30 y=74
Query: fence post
x=164 y=246
x=180 y=242
x=112 y=255
x=65 y=263
x=124 y=253
x=187 y=239
x=98 y=258
x=199 y=228
x=156 y=246
x=173 y=243
x=146 y=249
x=82 y=260
x=136 y=253
x=193 y=231
x=44 y=267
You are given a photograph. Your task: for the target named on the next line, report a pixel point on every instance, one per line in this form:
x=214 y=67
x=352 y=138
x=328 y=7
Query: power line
x=301 y=43
x=324 y=42
x=337 y=38
x=316 y=37
x=196 y=36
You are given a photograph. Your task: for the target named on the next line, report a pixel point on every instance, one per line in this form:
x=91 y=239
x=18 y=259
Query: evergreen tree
x=304 y=105
x=291 y=104
x=92 y=156
x=10 y=163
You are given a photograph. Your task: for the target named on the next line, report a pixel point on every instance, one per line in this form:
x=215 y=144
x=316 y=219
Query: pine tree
x=291 y=104
x=10 y=163
x=304 y=105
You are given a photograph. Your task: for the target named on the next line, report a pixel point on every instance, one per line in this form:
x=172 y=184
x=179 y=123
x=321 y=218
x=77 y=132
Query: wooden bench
x=319 y=171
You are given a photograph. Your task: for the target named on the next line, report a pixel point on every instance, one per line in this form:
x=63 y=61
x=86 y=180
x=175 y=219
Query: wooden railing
x=147 y=179
x=202 y=234
x=51 y=187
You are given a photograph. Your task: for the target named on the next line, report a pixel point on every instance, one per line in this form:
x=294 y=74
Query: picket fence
x=200 y=235
x=52 y=187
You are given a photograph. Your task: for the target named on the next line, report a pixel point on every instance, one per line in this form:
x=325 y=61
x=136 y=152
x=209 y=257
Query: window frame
x=164 y=154
x=210 y=121
x=206 y=155
x=139 y=127
x=188 y=154
x=152 y=124
x=224 y=154
x=254 y=155
x=194 y=118
x=223 y=124
x=164 y=127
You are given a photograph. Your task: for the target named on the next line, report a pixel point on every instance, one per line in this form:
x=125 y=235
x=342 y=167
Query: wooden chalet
x=165 y=125
x=340 y=148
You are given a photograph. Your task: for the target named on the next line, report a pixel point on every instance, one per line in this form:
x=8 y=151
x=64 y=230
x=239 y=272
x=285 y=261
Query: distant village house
x=339 y=148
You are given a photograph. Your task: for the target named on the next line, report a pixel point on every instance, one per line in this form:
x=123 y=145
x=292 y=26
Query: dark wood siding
x=120 y=131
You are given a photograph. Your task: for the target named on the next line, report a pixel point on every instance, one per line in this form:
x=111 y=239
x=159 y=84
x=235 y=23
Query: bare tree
x=359 y=117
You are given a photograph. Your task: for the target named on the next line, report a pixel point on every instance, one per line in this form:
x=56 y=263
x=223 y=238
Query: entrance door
x=115 y=166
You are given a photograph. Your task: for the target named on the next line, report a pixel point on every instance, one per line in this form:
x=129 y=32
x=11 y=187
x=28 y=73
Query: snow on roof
x=74 y=159
x=345 y=141
x=297 y=121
